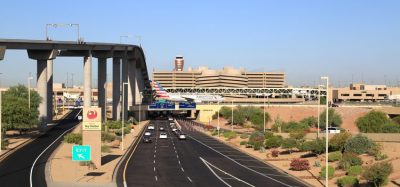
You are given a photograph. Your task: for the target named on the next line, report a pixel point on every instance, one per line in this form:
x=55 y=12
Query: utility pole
x=326 y=130
x=232 y=117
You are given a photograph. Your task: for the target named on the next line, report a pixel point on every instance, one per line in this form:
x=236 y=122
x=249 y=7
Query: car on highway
x=177 y=132
x=147 y=139
x=147 y=133
x=182 y=136
x=162 y=129
x=174 y=129
x=163 y=135
x=150 y=127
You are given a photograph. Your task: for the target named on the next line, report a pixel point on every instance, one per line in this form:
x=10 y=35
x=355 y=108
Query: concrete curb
x=11 y=151
x=276 y=168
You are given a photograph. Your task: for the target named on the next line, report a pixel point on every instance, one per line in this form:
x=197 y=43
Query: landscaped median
x=353 y=159
x=62 y=171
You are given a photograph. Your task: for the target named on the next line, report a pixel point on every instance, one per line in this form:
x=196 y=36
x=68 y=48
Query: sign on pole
x=81 y=153
x=91 y=119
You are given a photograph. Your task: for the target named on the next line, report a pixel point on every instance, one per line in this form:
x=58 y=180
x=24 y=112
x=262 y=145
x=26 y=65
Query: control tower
x=179 y=62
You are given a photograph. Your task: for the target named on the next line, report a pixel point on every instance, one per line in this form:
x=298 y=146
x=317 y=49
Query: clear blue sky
x=304 y=38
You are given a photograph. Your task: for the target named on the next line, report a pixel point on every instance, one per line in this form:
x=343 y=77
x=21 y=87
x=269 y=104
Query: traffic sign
x=81 y=153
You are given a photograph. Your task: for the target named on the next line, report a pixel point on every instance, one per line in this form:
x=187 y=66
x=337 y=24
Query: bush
x=268 y=135
x=289 y=144
x=293 y=126
x=214 y=132
x=273 y=142
x=105 y=149
x=243 y=142
x=256 y=139
x=331 y=172
x=107 y=137
x=348 y=160
x=354 y=170
x=74 y=138
x=310 y=121
x=334 y=156
x=299 y=164
x=372 y=122
x=337 y=142
x=390 y=127
x=4 y=144
x=244 y=136
x=334 y=120
x=316 y=146
x=225 y=112
x=229 y=134
x=378 y=173
x=396 y=119
x=347 y=181
x=358 y=144
x=275 y=153
x=118 y=132
x=257 y=145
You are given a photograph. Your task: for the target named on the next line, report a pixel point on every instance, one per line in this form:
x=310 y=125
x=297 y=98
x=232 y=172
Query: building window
x=345 y=95
x=370 y=95
x=357 y=95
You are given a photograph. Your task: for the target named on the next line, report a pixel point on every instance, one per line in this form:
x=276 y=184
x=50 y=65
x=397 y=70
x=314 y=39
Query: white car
x=182 y=136
x=163 y=135
x=333 y=130
x=174 y=129
x=147 y=133
x=150 y=127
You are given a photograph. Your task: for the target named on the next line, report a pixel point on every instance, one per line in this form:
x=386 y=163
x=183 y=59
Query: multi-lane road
x=198 y=161
x=26 y=166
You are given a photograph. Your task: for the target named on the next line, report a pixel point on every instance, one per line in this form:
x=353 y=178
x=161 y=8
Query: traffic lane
x=245 y=170
x=168 y=166
x=15 y=170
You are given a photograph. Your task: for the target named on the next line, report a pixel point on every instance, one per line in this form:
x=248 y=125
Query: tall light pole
x=139 y=39
x=218 y=118
x=326 y=129
x=318 y=108
x=123 y=114
x=124 y=36
x=264 y=112
x=140 y=107
x=29 y=92
x=55 y=25
x=232 y=117
x=1 y=128
x=105 y=102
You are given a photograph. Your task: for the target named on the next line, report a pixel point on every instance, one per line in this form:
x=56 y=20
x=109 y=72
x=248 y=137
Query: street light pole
x=29 y=92
x=55 y=25
x=140 y=107
x=123 y=36
x=123 y=115
x=232 y=117
x=218 y=118
x=264 y=112
x=1 y=128
x=318 y=109
x=326 y=130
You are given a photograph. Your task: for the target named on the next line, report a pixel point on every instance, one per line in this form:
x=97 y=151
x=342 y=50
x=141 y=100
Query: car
x=182 y=136
x=162 y=129
x=174 y=129
x=150 y=127
x=333 y=130
x=147 y=139
x=170 y=119
x=147 y=133
x=177 y=132
x=163 y=135
x=170 y=124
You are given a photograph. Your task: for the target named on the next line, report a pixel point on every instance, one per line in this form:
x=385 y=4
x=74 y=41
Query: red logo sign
x=91 y=114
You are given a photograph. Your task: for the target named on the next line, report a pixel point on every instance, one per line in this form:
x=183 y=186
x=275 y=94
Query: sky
x=347 y=40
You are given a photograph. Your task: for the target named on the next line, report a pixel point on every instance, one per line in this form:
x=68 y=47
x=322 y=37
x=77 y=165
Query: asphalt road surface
x=15 y=170
x=198 y=161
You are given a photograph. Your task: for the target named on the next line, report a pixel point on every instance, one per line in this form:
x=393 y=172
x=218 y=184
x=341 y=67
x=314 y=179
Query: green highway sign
x=81 y=153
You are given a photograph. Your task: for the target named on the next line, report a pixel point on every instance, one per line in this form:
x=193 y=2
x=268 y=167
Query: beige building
x=228 y=77
x=364 y=92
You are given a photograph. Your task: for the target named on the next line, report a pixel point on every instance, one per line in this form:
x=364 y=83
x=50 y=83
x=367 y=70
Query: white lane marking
x=154 y=168
x=176 y=152
x=208 y=164
x=262 y=174
x=182 y=169
x=179 y=162
x=212 y=171
x=33 y=165
x=154 y=161
x=154 y=156
x=246 y=160
x=189 y=179
x=177 y=156
x=155 y=151
x=78 y=113
x=155 y=177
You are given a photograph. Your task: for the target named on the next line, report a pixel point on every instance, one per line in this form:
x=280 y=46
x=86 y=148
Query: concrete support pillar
x=50 y=100
x=132 y=83
x=116 y=94
x=101 y=83
x=87 y=81
x=124 y=87
x=42 y=90
x=42 y=57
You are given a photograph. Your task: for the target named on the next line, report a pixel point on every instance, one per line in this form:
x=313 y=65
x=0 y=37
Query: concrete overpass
x=129 y=67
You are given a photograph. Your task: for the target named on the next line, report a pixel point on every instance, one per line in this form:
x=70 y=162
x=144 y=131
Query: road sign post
x=81 y=153
x=91 y=133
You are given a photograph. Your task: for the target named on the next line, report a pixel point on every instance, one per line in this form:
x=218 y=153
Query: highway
x=198 y=161
x=16 y=169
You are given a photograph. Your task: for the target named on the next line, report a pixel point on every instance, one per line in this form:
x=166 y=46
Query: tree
x=225 y=112
x=372 y=122
x=358 y=144
x=310 y=121
x=334 y=119
x=337 y=142
x=15 y=111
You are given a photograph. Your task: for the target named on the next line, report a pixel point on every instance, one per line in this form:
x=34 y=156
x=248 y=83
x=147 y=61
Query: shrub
x=378 y=173
x=275 y=153
x=268 y=135
x=244 y=136
x=354 y=170
x=372 y=122
x=214 y=132
x=396 y=119
x=289 y=144
x=334 y=156
x=310 y=121
x=316 y=146
x=225 y=112
x=243 y=142
x=347 y=181
x=390 y=127
x=74 y=138
x=348 y=160
x=118 y=132
x=256 y=139
x=381 y=156
x=337 y=142
x=4 y=144
x=257 y=145
x=273 y=142
x=358 y=144
x=229 y=134
x=299 y=164
x=105 y=149
x=334 y=120
x=293 y=126
x=107 y=137
x=331 y=172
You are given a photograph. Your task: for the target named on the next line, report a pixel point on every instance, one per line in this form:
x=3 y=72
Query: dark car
x=147 y=139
